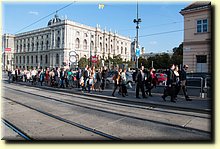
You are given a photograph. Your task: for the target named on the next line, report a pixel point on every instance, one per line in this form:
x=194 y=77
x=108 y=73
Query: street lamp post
x=137 y=21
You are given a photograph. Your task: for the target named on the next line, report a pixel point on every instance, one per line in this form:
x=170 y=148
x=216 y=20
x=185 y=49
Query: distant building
x=8 y=51
x=147 y=55
x=197 y=36
x=51 y=46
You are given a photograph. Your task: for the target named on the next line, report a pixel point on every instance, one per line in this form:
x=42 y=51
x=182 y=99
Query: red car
x=161 y=77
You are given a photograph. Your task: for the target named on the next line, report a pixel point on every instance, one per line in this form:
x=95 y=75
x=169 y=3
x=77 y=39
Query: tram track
x=111 y=137
x=91 y=107
x=17 y=130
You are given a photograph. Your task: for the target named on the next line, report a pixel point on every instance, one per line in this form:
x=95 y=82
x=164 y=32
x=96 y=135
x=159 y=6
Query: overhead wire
x=45 y=17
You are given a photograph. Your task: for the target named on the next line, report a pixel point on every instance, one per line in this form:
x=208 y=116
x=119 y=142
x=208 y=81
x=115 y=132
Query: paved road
x=63 y=114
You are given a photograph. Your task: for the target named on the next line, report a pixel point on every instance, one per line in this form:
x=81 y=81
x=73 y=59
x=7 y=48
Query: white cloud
x=153 y=42
x=33 y=13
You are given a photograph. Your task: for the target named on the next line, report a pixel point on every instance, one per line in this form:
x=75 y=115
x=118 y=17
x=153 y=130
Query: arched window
x=106 y=47
x=36 y=59
x=20 y=48
x=57 y=58
x=16 y=59
x=46 y=59
x=77 y=42
x=92 y=45
x=37 y=46
x=17 y=48
x=32 y=46
x=117 y=49
x=84 y=44
x=58 y=42
x=24 y=59
x=32 y=59
x=47 y=45
x=125 y=51
x=28 y=59
x=100 y=46
x=20 y=59
x=28 y=48
x=121 y=50
x=41 y=58
x=111 y=49
x=42 y=45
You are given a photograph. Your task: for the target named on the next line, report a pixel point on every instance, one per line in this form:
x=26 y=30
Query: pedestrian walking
x=123 y=83
x=117 y=81
x=177 y=81
x=151 y=81
x=41 y=77
x=170 y=88
x=104 y=77
x=62 y=77
x=47 y=77
x=98 y=81
x=184 y=81
x=78 y=76
x=90 y=79
x=140 y=78
x=86 y=78
x=9 y=75
x=34 y=76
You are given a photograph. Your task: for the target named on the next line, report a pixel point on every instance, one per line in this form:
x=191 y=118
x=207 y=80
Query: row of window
x=25 y=59
x=77 y=45
x=30 y=47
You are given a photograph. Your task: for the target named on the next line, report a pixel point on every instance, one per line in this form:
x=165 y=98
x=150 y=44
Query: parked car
x=162 y=78
x=129 y=80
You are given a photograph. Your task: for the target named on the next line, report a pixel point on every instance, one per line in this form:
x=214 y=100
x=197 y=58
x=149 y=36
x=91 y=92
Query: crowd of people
x=90 y=79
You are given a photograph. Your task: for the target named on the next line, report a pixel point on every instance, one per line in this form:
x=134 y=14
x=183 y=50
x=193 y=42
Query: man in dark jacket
x=184 y=81
x=104 y=77
x=170 y=89
x=140 y=79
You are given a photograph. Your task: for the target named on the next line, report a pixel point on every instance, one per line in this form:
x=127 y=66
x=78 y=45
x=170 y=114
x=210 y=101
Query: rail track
x=93 y=107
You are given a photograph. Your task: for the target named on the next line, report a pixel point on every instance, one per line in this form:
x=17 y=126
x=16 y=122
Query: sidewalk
x=197 y=104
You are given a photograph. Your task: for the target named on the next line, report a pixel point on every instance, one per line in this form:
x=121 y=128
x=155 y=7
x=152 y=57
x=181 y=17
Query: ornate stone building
x=51 y=46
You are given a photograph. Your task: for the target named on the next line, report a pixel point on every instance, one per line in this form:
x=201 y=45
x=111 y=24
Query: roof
x=197 y=5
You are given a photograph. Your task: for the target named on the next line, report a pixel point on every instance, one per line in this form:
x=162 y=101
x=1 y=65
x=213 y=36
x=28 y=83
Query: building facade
x=51 y=46
x=8 y=51
x=197 y=36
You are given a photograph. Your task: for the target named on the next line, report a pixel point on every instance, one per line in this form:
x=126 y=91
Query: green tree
x=142 y=62
x=177 y=57
x=83 y=62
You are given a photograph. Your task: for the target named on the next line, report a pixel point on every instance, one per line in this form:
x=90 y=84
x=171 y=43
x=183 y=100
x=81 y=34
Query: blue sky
x=156 y=18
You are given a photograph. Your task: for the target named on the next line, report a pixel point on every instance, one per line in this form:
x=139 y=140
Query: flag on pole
x=101 y=6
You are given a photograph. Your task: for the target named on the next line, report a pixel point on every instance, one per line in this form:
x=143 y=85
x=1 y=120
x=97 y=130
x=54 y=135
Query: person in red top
x=151 y=81
x=47 y=77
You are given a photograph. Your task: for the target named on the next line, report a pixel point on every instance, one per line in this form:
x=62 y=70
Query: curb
x=124 y=100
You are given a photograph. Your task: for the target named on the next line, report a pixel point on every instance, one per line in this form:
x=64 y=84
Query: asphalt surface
x=197 y=104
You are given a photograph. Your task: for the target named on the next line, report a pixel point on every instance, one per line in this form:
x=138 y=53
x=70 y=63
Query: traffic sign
x=72 y=53
x=72 y=59
x=94 y=59
x=137 y=52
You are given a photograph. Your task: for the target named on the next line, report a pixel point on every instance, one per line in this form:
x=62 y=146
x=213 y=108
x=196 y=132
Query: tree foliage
x=164 y=60
x=83 y=62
